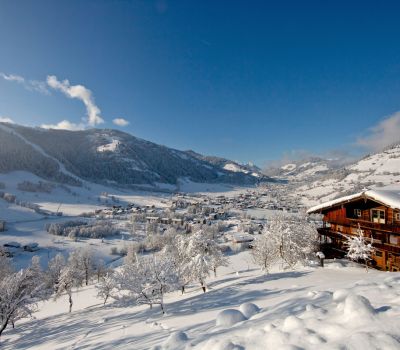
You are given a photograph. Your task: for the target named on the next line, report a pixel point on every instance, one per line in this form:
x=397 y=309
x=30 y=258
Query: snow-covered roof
x=241 y=237
x=389 y=197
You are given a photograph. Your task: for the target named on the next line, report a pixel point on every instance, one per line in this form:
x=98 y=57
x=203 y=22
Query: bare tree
x=264 y=251
x=294 y=238
x=106 y=286
x=53 y=272
x=20 y=292
x=147 y=279
x=358 y=249
x=72 y=276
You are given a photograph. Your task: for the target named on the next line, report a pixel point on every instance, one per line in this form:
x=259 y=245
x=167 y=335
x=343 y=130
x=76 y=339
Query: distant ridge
x=110 y=157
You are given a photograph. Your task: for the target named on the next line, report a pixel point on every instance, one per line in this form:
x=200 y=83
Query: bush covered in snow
x=290 y=240
x=229 y=317
x=174 y=341
x=249 y=309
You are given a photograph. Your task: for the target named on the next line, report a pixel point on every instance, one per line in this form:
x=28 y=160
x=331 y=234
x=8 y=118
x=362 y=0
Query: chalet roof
x=389 y=196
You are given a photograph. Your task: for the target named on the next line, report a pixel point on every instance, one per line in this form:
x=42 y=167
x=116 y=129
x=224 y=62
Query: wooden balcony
x=369 y=225
x=375 y=243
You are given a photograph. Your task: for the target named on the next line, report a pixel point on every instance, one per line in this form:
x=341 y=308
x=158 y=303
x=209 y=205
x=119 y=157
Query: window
x=378 y=216
x=378 y=253
x=394 y=239
x=357 y=213
x=397 y=216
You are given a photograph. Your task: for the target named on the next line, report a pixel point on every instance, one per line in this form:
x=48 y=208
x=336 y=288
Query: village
x=237 y=217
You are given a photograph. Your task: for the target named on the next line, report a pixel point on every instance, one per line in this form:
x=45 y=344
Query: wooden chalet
x=377 y=212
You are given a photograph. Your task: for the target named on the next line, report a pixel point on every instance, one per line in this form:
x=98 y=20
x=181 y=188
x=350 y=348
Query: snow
x=357 y=308
x=289 y=166
x=229 y=317
x=390 y=197
x=235 y=168
x=249 y=309
x=72 y=200
x=309 y=308
x=334 y=202
x=317 y=168
x=174 y=341
x=336 y=307
x=13 y=213
x=109 y=147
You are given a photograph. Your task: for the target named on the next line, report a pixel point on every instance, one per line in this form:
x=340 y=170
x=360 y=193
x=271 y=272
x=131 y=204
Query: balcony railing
x=390 y=228
x=376 y=243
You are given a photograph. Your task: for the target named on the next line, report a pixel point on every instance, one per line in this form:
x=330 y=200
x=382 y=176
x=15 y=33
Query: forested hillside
x=107 y=156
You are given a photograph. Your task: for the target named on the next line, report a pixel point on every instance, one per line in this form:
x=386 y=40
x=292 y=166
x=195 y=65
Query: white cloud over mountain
x=120 y=122
x=385 y=133
x=79 y=92
x=6 y=120
x=64 y=125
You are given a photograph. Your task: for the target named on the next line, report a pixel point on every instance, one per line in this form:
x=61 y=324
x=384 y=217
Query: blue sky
x=246 y=80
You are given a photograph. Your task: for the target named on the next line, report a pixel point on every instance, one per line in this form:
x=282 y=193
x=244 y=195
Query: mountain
x=374 y=170
x=248 y=169
x=307 y=169
x=109 y=157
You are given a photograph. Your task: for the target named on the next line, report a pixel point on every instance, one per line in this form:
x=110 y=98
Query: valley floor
x=336 y=307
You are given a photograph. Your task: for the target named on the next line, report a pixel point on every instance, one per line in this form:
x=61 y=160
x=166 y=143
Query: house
x=376 y=212
x=240 y=241
x=177 y=221
x=152 y=219
x=165 y=221
x=2 y=225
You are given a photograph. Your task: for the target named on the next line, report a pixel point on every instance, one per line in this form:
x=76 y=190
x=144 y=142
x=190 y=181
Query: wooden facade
x=380 y=225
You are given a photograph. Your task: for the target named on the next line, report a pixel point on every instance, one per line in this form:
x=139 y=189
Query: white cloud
x=64 y=125
x=12 y=77
x=120 y=122
x=81 y=93
x=6 y=120
x=31 y=85
x=385 y=133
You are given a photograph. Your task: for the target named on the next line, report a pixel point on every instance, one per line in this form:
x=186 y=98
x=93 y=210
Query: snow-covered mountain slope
x=108 y=157
x=229 y=165
x=375 y=170
x=305 y=169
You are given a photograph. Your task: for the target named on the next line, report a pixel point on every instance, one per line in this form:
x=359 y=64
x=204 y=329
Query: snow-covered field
x=73 y=201
x=336 y=307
